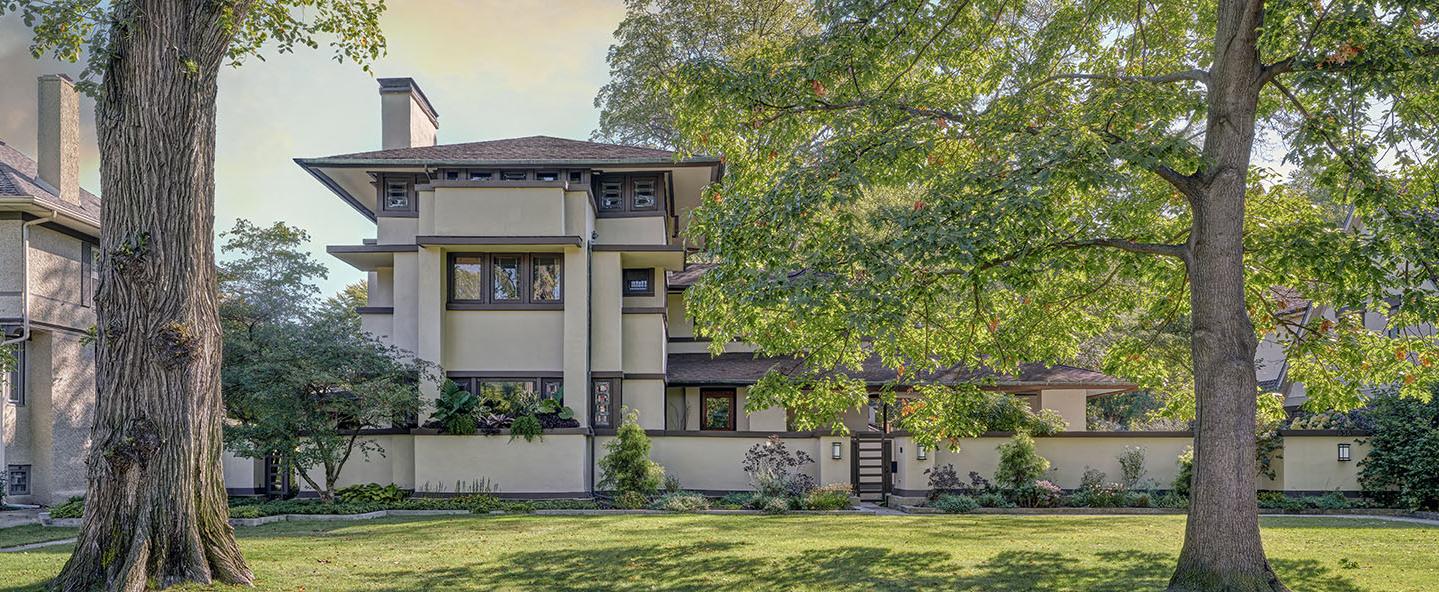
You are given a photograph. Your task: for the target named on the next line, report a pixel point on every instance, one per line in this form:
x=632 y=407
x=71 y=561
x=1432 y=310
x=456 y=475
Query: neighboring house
x=559 y=267
x=48 y=243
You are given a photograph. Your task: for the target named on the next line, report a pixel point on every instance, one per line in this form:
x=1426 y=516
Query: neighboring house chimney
x=59 y=136
x=407 y=119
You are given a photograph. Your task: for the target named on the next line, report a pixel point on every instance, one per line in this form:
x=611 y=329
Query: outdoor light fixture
x=1344 y=452
x=921 y=452
x=836 y=450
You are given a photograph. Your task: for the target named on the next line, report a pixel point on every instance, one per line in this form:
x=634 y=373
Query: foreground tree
x=987 y=182
x=156 y=511
x=301 y=379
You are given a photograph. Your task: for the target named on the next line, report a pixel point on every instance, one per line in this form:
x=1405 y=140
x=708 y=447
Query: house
x=558 y=267
x=49 y=229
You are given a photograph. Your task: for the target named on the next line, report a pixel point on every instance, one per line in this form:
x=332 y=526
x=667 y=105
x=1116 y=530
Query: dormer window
x=515 y=175
x=452 y=175
x=547 y=176
x=481 y=175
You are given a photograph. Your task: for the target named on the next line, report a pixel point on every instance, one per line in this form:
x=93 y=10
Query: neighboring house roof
x=1270 y=385
x=744 y=368
x=527 y=149
x=18 y=178
x=679 y=280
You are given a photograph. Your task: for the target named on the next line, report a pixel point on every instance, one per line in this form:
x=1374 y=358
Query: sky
x=491 y=68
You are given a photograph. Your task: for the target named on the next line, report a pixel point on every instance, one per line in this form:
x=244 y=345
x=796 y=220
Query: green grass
x=733 y=553
x=33 y=533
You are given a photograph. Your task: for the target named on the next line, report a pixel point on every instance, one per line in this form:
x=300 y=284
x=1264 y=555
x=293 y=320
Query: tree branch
x=1195 y=75
x=1178 y=251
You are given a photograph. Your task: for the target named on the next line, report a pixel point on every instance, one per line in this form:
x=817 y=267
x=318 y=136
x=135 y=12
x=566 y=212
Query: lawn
x=706 y=552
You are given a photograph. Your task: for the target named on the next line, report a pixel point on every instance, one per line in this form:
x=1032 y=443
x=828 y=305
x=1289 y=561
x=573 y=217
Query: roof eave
x=430 y=162
x=313 y=169
x=77 y=219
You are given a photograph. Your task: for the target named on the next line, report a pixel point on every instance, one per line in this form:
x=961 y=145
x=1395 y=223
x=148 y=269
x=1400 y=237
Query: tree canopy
x=986 y=183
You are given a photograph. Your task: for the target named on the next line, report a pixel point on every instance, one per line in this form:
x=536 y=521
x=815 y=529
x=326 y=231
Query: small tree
x=301 y=379
x=626 y=467
x=1019 y=463
x=1131 y=466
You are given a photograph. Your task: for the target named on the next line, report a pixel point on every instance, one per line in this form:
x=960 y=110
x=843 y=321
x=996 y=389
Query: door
x=870 y=464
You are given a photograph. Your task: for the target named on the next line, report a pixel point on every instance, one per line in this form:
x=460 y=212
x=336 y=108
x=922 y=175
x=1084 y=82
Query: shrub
x=455 y=410
x=526 y=426
x=1101 y=495
x=1171 y=500
x=251 y=511
x=773 y=469
x=834 y=496
x=993 y=500
x=1131 y=467
x=1403 y=461
x=775 y=504
x=627 y=467
x=681 y=501
x=1019 y=464
x=944 y=479
x=1185 y=475
x=1092 y=479
x=672 y=484
x=371 y=492
x=1138 y=500
x=737 y=500
x=955 y=504
x=1037 y=494
x=631 y=500
x=71 y=508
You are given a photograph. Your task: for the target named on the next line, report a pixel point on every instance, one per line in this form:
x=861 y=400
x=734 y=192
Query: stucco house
x=559 y=267
x=49 y=229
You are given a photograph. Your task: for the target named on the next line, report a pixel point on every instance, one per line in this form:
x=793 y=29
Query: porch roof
x=739 y=369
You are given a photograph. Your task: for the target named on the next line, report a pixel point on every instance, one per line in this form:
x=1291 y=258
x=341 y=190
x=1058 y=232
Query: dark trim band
x=438 y=240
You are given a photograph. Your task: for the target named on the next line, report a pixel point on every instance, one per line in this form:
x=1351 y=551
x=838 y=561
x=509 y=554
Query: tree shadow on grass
x=725 y=566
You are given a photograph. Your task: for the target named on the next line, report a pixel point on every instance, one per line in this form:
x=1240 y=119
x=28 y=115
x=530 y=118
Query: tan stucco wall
x=832 y=470
x=1068 y=457
x=648 y=398
x=396 y=230
x=494 y=211
x=506 y=340
x=242 y=473
x=606 y=341
x=554 y=464
x=1069 y=403
x=391 y=460
x=643 y=343
x=649 y=230
x=403 y=122
x=1311 y=463
x=713 y=463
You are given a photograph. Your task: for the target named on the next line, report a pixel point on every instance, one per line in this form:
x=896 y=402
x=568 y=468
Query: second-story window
x=639 y=282
x=505 y=280
x=397 y=194
x=644 y=193
x=632 y=194
x=612 y=195
x=89 y=274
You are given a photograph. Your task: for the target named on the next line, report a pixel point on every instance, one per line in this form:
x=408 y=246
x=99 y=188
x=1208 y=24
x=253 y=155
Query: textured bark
x=1222 y=548
x=156 y=511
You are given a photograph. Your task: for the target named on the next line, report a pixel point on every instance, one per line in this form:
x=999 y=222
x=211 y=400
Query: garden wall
x=1307 y=463
x=713 y=463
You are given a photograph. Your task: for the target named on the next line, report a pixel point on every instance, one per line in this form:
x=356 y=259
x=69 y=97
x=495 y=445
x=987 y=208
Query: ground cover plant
x=793 y=552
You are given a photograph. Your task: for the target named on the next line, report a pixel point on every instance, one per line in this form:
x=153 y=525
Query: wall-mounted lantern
x=921 y=452
x=1344 y=452
x=836 y=450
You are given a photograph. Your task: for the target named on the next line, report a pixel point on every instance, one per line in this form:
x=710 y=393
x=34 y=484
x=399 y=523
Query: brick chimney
x=58 y=131
x=407 y=119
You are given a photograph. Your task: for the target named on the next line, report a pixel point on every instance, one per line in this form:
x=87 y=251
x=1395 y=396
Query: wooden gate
x=870 y=460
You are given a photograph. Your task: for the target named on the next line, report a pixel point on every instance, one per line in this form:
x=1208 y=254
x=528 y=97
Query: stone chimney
x=407 y=119
x=59 y=136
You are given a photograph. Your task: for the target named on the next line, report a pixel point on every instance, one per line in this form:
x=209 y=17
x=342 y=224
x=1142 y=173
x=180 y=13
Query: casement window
x=506 y=280
x=639 y=281
x=638 y=195
x=452 y=175
x=717 y=409
x=481 y=175
x=510 y=389
x=515 y=175
x=89 y=274
x=545 y=278
x=15 y=378
x=17 y=480
x=547 y=176
x=604 y=402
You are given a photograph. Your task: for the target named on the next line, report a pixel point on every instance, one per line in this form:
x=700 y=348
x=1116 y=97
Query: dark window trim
x=712 y=393
x=487 y=302
x=522 y=279
x=382 y=182
x=615 y=406
x=471 y=381
x=649 y=281
x=627 y=208
x=15 y=379
x=10 y=471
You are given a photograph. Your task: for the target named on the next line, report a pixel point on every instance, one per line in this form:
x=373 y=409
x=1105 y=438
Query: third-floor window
x=631 y=194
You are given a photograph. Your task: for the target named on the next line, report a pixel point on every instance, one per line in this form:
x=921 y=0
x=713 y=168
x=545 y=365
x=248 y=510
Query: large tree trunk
x=156 y=510
x=1222 y=548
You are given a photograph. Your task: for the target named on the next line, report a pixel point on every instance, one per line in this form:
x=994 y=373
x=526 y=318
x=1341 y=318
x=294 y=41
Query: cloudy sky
x=492 y=68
